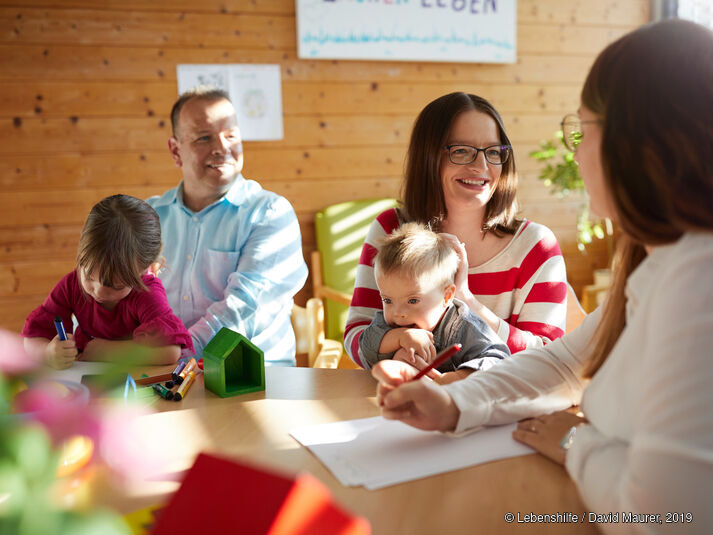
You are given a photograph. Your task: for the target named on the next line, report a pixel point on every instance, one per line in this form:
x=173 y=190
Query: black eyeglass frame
x=508 y=151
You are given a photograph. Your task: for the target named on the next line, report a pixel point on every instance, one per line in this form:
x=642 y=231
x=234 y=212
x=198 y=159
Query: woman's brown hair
x=422 y=194
x=652 y=89
x=120 y=240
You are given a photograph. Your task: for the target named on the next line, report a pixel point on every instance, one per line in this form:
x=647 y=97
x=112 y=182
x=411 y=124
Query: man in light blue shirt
x=233 y=250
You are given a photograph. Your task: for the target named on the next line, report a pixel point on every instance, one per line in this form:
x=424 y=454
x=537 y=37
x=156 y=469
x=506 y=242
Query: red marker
x=146 y=380
x=440 y=359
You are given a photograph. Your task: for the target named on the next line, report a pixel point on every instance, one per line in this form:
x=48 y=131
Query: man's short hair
x=415 y=250
x=202 y=92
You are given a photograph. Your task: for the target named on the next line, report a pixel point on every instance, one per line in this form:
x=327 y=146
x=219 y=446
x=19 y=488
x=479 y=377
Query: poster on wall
x=256 y=92
x=473 y=31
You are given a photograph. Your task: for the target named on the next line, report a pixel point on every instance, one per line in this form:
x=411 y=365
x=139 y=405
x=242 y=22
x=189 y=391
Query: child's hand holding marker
x=61 y=352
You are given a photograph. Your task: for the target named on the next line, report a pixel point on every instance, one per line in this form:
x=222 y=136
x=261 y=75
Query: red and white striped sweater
x=524 y=285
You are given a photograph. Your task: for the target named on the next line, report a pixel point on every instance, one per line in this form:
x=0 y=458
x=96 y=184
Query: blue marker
x=60 y=328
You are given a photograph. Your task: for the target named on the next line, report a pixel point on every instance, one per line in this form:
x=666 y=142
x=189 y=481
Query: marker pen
x=440 y=359
x=60 y=328
x=190 y=366
x=185 y=385
x=179 y=369
x=162 y=391
x=146 y=380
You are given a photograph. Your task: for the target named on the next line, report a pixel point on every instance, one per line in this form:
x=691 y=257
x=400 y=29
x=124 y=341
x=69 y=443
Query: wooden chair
x=313 y=349
x=575 y=312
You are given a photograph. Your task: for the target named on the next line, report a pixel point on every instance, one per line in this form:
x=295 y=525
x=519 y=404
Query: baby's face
x=412 y=302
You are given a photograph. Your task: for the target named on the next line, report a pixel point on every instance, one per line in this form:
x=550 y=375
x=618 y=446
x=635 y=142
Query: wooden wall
x=86 y=87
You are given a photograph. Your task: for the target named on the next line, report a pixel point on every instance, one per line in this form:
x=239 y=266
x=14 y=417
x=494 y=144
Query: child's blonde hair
x=416 y=251
x=120 y=240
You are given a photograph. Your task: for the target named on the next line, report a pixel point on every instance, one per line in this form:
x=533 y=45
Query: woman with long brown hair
x=644 y=143
x=460 y=180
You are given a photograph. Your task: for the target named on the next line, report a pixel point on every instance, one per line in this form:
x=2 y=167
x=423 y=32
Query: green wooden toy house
x=233 y=365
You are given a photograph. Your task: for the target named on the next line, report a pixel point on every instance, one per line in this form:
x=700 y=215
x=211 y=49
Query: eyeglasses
x=465 y=154
x=572 y=130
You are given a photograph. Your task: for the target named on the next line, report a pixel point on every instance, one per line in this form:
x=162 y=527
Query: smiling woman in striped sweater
x=461 y=180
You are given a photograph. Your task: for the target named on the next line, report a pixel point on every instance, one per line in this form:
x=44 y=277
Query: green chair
x=340 y=232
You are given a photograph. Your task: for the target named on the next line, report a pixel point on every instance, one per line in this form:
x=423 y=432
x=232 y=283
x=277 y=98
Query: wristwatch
x=568 y=438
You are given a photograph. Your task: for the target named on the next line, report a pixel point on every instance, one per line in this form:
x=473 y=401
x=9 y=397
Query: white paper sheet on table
x=78 y=369
x=376 y=453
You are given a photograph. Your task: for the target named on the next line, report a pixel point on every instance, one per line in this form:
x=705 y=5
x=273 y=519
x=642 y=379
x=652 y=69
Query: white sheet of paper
x=78 y=369
x=376 y=453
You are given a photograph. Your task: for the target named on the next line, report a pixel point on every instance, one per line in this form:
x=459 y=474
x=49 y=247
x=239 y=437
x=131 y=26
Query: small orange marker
x=190 y=366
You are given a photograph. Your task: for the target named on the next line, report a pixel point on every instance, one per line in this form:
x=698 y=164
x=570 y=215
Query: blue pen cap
x=60 y=328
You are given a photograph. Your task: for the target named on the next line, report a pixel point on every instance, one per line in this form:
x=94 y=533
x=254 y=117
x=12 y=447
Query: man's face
x=207 y=148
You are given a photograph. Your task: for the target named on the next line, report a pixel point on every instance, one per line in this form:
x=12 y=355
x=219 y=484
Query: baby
x=414 y=270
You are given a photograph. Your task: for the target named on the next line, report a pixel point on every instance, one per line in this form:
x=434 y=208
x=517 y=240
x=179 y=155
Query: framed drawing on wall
x=255 y=90
x=474 y=31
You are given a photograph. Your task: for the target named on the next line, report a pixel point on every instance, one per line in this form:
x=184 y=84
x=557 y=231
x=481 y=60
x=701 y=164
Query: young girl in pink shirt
x=113 y=293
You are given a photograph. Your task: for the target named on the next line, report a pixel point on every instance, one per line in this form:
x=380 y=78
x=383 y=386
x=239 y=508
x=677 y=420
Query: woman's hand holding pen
x=421 y=403
x=60 y=354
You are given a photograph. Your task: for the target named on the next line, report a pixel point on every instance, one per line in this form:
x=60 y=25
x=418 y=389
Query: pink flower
x=14 y=360
x=63 y=416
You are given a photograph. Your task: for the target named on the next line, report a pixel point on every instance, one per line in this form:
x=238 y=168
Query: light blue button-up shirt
x=237 y=263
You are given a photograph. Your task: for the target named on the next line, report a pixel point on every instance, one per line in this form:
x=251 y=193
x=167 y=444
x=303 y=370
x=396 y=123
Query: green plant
x=561 y=174
x=36 y=418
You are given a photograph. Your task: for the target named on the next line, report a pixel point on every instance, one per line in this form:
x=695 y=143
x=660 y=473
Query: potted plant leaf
x=561 y=174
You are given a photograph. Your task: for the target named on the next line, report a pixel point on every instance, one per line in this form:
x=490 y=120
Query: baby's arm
x=379 y=341
x=112 y=350
x=60 y=354
x=413 y=341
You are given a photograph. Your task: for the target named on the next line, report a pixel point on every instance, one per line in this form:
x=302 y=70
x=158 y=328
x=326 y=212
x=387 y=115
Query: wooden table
x=254 y=427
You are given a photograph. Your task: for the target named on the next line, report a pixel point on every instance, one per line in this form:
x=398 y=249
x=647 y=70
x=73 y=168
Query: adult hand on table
x=422 y=404
x=544 y=433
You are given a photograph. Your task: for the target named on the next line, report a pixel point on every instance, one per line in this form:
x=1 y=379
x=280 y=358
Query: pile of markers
x=176 y=383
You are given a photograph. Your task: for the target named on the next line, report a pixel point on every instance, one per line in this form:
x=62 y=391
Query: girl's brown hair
x=652 y=90
x=120 y=240
x=422 y=194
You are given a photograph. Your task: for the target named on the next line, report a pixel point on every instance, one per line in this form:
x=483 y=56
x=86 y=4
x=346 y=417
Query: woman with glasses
x=461 y=181
x=641 y=453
